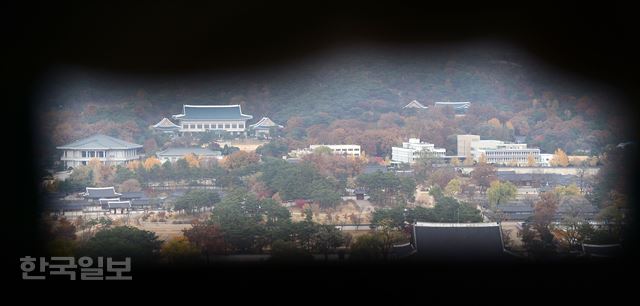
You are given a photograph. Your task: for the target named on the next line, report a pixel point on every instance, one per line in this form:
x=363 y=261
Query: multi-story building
x=496 y=151
x=464 y=144
x=202 y=118
x=510 y=153
x=106 y=149
x=414 y=149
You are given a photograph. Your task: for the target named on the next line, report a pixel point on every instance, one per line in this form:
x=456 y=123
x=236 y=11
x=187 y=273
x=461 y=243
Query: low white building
x=497 y=151
x=345 y=150
x=349 y=150
x=414 y=149
x=107 y=149
x=545 y=159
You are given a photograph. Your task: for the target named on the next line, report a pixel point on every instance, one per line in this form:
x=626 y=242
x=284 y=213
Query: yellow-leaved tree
x=151 y=162
x=192 y=160
x=531 y=161
x=559 y=159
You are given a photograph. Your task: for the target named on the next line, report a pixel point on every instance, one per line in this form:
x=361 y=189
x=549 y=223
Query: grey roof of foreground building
x=459 y=241
x=100 y=142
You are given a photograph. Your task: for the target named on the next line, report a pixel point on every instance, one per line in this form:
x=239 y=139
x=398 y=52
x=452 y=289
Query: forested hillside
x=354 y=95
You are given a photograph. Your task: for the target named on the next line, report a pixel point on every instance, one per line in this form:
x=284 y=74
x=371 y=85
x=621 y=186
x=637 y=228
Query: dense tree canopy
x=123 y=241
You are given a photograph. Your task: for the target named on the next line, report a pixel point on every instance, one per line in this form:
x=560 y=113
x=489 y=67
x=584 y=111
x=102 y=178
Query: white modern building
x=545 y=159
x=203 y=118
x=349 y=150
x=496 y=151
x=345 y=150
x=464 y=144
x=414 y=149
x=107 y=149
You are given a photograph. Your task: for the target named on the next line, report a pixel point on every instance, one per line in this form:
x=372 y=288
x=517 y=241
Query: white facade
x=545 y=159
x=414 y=149
x=345 y=150
x=203 y=118
x=464 y=144
x=210 y=125
x=108 y=150
x=499 y=152
x=75 y=158
x=350 y=150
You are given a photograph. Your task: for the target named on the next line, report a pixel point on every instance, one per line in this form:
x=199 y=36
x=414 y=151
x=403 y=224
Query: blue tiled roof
x=100 y=142
x=166 y=124
x=212 y=112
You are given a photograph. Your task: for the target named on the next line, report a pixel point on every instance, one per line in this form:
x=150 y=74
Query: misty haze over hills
x=357 y=82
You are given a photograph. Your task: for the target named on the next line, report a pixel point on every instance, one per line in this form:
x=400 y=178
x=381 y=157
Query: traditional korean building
x=264 y=126
x=460 y=108
x=415 y=104
x=130 y=195
x=458 y=241
x=97 y=193
x=63 y=207
x=203 y=118
x=121 y=205
x=106 y=149
x=166 y=126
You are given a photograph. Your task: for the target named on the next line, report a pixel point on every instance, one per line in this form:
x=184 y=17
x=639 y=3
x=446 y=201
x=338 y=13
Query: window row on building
x=214 y=126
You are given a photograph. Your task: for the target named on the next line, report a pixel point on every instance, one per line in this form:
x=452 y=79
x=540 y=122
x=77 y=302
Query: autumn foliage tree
x=537 y=234
x=239 y=159
x=192 y=160
x=151 y=162
x=483 y=174
x=179 y=250
x=130 y=185
x=207 y=237
x=500 y=193
x=559 y=159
